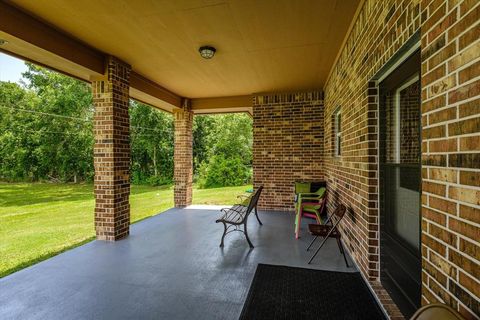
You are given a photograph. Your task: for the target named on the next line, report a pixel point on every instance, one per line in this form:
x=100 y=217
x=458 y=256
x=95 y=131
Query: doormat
x=279 y=292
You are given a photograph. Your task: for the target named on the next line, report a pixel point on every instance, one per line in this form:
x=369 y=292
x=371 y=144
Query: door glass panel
x=402 y=170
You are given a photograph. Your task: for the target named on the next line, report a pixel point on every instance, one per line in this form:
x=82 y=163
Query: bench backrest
x=254 y=199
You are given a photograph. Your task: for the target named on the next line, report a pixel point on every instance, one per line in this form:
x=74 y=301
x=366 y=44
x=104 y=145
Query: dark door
x=400 y=181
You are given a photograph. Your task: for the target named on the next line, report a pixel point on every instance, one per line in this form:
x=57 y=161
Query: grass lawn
x=40 y=220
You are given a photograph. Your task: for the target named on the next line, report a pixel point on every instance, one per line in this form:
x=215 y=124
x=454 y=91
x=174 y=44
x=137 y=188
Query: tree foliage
x=227 y=159
x=46 y=133
x=46 y=128
x=152 y=145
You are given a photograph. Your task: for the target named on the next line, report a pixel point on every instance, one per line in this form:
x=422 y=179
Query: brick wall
x=112 y=152
x=451 y=153
x=287 y=145
x=183 y=155
x=450 y=148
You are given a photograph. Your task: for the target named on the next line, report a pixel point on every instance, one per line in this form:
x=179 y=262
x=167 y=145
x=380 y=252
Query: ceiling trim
x=223 y=105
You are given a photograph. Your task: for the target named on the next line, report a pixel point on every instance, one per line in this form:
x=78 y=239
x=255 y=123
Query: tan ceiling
x=262 y=45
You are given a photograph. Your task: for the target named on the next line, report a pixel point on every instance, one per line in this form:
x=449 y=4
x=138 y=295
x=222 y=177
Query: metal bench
x=233 y=218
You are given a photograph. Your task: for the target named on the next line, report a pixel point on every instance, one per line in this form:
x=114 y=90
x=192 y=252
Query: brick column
x=112 y=151
x=183 y=156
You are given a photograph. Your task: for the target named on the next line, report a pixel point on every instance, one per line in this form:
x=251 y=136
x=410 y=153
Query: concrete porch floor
x=170 y=267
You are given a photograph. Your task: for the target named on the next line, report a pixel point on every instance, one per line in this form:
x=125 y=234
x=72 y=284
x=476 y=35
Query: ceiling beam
x=35 y=41
x=25 y=27
x=149 y=87
x=223 y=105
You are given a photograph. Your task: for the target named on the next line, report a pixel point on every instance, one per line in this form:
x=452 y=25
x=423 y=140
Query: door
x=400 y=181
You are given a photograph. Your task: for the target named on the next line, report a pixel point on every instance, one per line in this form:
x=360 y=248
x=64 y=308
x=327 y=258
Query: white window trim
x=338 y=134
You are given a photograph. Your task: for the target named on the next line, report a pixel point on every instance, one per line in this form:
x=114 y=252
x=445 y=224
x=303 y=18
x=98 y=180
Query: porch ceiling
x=262 y=46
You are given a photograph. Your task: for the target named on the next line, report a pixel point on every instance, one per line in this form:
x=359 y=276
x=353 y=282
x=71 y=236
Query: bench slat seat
x=233 y=215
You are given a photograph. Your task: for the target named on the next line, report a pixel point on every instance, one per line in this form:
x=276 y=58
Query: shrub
x=221 y=172
x=159 y=181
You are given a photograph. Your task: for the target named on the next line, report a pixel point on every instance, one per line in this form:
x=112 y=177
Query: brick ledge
x=389 y=308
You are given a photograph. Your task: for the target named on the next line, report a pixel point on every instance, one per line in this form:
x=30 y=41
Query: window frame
x=337 y=132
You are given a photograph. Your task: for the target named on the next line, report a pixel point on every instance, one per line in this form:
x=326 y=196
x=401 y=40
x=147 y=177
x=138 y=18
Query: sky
x=11 y=68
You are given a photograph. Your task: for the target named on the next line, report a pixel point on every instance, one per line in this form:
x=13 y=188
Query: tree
x=228 y=158
x=46 y=134
x=46 y=127
x=203 y=126
x=152 y=144
x=66 y=151
x=18 y=139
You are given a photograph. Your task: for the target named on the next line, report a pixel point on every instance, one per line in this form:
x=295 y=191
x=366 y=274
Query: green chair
x=302 y=187
x=310 y=205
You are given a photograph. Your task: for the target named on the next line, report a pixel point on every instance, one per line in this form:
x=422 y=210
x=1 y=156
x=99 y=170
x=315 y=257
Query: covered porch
x=326 y=85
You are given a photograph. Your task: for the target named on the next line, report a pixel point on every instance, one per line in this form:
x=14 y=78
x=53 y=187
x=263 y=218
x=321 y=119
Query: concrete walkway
x=170 y=267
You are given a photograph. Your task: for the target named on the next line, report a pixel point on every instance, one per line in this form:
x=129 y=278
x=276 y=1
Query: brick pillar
x=183 y=156
x=112 y=151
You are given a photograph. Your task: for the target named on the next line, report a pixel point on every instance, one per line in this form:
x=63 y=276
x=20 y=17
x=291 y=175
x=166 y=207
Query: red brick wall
x=451 y=154
x=450 y=148
x=183 y=155
x=287 y=145
x=112 y=152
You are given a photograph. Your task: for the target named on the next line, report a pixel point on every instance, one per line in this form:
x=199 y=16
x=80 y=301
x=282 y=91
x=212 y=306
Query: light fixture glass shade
x=207 y=52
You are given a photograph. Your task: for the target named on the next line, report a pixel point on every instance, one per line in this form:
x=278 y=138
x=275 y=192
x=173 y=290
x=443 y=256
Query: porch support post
x=183 y=155
x=112 y=151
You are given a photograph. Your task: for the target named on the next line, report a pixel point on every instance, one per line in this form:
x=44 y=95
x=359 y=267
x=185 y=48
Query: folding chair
x=328 y=230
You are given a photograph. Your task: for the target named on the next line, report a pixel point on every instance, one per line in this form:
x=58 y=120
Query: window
x=338 y=133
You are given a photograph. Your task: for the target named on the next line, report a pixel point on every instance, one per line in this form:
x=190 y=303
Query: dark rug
x=279 y=292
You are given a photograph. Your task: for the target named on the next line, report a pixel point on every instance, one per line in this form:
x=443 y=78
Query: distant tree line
x=46 y=135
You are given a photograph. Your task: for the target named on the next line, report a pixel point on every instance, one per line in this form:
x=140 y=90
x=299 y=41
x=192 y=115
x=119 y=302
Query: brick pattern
x=287 y=145
x=381 y=29
x=451 y=154
x=112 y=152
x=389 y=307
x=450 y=148
x=183 y=155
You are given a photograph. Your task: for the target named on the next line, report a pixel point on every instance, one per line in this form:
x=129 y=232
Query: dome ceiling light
x=207 y=52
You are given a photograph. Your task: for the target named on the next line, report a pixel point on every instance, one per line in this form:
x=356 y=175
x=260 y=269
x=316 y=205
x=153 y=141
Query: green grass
x=40 y=220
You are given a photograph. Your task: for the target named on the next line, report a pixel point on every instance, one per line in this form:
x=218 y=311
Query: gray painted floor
x=170 y=267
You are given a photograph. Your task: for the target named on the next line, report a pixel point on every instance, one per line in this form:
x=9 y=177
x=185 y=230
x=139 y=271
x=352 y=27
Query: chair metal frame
x=329 y=230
